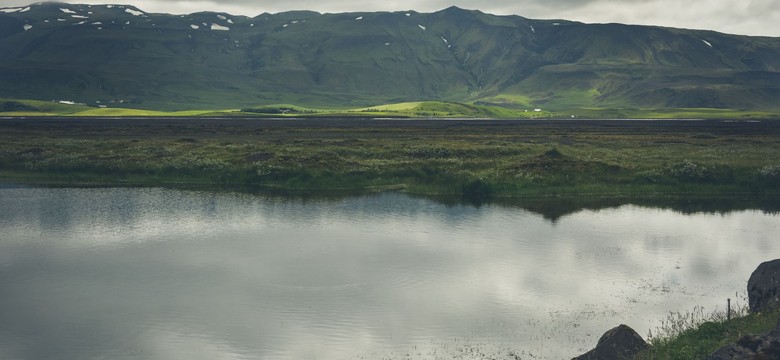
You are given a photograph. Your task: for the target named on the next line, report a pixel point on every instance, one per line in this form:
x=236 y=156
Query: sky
x=747 y=17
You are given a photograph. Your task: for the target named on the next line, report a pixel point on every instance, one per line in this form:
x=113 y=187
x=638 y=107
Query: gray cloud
x=751 y=17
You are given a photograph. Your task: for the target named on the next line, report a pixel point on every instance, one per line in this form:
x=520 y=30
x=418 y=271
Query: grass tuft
x=697 y=334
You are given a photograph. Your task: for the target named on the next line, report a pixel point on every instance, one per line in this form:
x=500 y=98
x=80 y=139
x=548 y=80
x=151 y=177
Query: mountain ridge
x=99 y=54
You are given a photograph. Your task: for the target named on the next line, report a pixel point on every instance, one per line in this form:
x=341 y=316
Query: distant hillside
x=104 y=54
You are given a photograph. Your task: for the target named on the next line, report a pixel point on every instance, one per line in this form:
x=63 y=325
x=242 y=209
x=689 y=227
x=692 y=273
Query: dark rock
x=763 y=287
x=751 y=347
x=621 y=342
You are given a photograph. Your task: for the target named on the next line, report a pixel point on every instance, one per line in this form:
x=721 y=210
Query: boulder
x=763 y=287
x=621 y=342
x=751 y=347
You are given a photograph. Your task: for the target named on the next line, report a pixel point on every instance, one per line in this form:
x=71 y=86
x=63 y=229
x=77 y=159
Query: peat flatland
x=472 y=158
x=236 y=126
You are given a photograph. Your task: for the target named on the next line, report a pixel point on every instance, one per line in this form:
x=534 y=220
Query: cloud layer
x=751 y=17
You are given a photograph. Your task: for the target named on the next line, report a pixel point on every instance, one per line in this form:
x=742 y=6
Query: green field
x=478 y=159
x=497 y=108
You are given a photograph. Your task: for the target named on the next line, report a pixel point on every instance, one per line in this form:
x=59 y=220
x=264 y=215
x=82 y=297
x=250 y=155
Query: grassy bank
x=696 y=335
x=478 y=159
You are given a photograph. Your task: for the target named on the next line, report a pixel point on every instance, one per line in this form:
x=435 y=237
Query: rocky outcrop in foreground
x=751 y=347
x=619 y=343
x=763 y=295
x=764 y=287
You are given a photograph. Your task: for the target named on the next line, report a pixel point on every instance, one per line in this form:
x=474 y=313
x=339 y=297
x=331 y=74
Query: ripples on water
x=169 y=274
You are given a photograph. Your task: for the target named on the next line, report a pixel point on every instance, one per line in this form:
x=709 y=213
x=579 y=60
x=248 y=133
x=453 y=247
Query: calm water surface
x=170 y=274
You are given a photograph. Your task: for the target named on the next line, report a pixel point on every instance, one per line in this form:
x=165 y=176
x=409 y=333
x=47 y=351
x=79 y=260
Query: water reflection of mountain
x=554 y=208
x=550 y=208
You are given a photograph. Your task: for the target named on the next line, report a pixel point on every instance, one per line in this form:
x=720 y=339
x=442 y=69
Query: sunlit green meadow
x=497 y=107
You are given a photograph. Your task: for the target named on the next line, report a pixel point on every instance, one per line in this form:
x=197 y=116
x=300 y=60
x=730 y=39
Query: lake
x=149 y=273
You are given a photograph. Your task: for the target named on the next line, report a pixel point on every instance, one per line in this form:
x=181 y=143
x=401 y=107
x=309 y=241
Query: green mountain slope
x=108 y=54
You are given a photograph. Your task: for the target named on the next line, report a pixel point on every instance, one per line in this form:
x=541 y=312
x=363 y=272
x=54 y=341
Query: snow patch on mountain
x=134 y=12
x=15 y=10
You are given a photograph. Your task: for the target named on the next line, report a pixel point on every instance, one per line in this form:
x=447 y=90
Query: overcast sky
x=748 y=17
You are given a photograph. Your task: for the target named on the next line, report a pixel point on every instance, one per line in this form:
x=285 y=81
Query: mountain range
x=105 y=54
